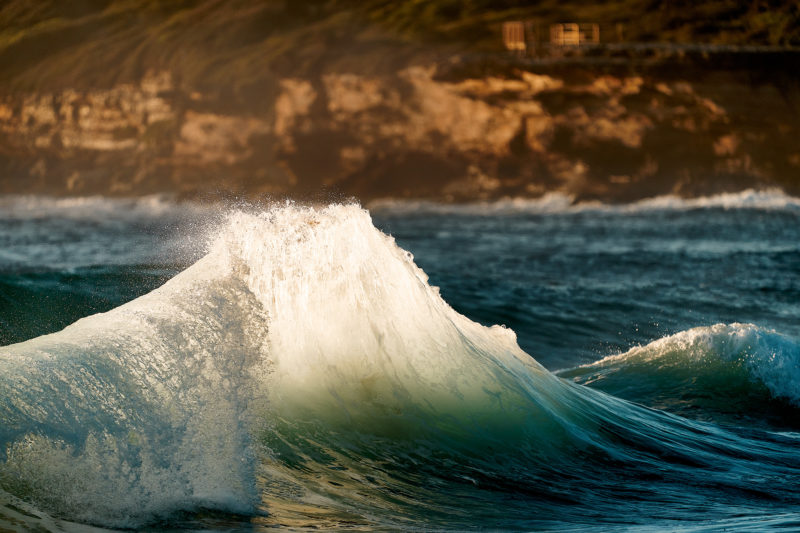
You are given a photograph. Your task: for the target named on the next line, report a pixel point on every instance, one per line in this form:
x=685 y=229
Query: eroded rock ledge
x=423 y=132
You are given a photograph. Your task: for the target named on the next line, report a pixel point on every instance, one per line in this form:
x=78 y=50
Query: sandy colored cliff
x=425 y=131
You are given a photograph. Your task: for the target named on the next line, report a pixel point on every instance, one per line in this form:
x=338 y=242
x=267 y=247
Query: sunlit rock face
x=425 y=131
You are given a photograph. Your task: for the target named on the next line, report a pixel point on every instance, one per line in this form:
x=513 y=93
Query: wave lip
x=729 y=368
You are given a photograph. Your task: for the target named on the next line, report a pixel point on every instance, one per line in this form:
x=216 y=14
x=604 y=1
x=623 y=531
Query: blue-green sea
x=521 y=365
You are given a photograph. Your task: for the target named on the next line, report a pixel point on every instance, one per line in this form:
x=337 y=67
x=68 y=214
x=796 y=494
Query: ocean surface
x=518 y=365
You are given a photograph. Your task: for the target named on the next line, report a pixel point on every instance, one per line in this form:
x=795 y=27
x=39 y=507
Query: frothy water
x=304 y=373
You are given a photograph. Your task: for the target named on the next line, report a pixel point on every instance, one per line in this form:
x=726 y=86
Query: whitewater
x=294 y=366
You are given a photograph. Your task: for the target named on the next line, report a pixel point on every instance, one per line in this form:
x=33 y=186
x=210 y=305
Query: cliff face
x=433 y=131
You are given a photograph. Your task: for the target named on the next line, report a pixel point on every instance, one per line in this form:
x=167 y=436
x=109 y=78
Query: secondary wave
x=738 y=370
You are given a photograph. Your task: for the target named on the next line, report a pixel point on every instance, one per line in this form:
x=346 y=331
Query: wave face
x=304 y=372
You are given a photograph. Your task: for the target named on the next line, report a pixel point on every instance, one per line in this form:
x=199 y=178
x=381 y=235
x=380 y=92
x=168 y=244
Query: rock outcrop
x=432 y=131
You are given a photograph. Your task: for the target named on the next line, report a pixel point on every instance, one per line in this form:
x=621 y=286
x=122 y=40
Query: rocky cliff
x=451 y=130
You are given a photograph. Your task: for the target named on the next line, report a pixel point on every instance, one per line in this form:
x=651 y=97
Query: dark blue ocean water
x=583 y=284
x=699 y=300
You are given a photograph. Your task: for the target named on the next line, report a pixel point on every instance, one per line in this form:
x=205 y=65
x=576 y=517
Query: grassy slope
x=767 y=22
x=235 y=46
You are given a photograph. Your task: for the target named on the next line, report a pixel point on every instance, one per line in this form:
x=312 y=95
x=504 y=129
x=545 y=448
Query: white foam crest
x=351 y=315
x=768 y=356
x=560 y=203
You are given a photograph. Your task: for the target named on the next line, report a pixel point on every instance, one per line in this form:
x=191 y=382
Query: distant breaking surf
x=554 y=203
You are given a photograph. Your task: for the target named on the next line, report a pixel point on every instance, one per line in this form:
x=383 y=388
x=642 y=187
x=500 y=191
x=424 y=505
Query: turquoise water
x=533 y=365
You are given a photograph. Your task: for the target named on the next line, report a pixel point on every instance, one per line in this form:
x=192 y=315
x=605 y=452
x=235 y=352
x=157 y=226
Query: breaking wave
x=305 y=369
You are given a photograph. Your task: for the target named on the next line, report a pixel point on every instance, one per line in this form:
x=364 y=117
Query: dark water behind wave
x=576 y=285
x=581 y=284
